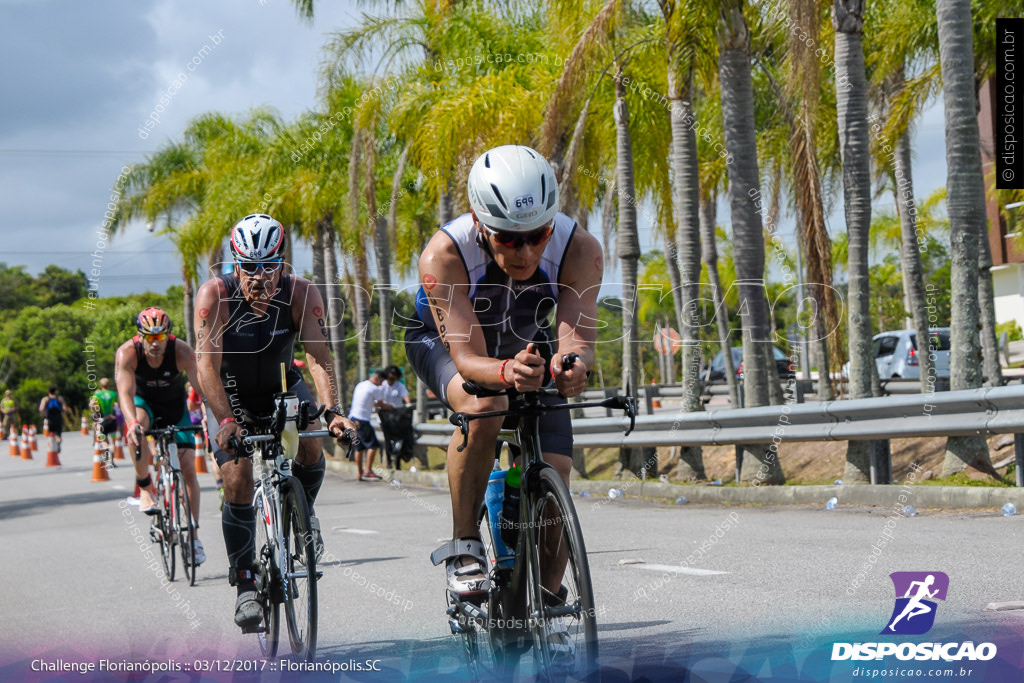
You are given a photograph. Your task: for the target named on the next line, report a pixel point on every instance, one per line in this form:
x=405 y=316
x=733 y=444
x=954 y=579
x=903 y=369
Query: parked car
x=716 y=373
x=896 y=353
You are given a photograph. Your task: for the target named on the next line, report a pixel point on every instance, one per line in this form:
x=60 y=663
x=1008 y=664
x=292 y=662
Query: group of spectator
x=382 y=391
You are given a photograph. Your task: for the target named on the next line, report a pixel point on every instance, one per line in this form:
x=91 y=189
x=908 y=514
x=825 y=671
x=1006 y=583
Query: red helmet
x=153 y=320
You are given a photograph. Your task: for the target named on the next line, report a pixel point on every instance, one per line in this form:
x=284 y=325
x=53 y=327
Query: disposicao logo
x=912 y=615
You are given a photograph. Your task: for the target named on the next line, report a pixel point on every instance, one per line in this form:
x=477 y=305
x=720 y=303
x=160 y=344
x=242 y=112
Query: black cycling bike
x=173 y=524
x=523 y=610
x=286 y=572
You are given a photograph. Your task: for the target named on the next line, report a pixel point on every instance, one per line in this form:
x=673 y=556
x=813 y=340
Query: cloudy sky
x=82 y=78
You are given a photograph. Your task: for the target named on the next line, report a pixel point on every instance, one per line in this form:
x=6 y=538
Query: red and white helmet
x=257 y=237
x=512 y=188
x=153 y=320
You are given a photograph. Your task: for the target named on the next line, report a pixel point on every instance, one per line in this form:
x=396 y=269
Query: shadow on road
x=29 y=506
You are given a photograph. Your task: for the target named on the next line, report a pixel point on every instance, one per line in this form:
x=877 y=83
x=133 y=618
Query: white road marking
x=676 y=569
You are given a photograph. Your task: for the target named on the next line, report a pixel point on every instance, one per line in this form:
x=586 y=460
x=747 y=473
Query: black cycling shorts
x=433 y=364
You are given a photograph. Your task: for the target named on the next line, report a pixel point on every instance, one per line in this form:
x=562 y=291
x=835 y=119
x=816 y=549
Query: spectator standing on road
x=52 y=408
x=105 y=413
x=9 y=408
x=365 y=397
x=394 y=393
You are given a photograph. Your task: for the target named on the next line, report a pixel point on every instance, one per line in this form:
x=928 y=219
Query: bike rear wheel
x=186 y=531
x=564 y=631
x=163 y=521
x=299 y=566
x=267 y=582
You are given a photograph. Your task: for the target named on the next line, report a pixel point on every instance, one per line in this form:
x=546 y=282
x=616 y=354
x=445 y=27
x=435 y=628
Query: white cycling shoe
x=199 y=554
x=466 y=566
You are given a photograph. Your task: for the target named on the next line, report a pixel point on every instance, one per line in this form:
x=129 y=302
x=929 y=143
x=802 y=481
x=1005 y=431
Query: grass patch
x=964 y=479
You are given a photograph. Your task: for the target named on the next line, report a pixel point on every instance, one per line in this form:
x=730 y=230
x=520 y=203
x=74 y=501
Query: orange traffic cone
x=200 y=454
x=118 y=447
x=12 y=441
x=99 y=472
x=32 y=445
x=26 y=450
x=52 y=458
x=46 y=427
x=85 y=426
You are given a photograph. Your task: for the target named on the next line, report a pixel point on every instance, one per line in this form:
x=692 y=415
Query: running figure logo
x=914 y=612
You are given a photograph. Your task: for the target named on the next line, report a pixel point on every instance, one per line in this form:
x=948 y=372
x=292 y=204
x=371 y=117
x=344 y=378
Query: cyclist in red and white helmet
x=246 y=325
x=489 y=281
x=151 y=393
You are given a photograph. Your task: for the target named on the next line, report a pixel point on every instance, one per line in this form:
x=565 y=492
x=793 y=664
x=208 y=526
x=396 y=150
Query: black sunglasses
x=250 y=267
x=514 y=240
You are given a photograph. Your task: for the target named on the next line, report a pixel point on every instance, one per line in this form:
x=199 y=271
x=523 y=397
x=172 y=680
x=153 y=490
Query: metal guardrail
x=975 y=412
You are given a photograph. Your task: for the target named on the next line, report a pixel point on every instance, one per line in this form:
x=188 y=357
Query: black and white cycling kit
x=511 y=314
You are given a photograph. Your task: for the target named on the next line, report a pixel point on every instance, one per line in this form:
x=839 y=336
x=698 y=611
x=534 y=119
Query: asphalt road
x=763 y=589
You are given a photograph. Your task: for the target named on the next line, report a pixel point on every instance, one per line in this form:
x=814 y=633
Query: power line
x=71 y=152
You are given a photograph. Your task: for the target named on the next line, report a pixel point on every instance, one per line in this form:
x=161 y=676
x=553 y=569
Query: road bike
x=286 y=573
x=173 y=524
x=520 y=613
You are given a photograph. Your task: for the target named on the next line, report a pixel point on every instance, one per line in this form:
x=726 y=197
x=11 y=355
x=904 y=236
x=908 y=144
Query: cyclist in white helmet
x=489 y=280
x=246 y=324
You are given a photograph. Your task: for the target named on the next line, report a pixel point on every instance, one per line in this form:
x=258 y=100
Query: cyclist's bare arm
x=446 y=286
x=186 y=359
x=576 y=315
x=125 y=363
x=309 y=315
x=209 y=321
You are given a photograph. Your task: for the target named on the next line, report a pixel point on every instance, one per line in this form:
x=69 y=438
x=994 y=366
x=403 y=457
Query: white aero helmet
x=512 y=188
x=257 y=237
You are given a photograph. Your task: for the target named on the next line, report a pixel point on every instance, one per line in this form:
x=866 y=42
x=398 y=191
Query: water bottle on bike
x=494 y=499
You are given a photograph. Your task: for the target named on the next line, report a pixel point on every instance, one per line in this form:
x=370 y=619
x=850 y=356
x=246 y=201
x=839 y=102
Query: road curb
x=920 y=496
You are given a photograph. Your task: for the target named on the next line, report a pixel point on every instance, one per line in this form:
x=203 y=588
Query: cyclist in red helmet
x=246 y=325
x=151 y=391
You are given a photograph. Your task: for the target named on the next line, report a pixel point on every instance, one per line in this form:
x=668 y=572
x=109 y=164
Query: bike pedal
x=258 y=628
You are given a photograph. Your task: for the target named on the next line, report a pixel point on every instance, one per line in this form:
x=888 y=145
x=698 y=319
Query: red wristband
x=225 y=421
x=501 y=373
x=133 y=423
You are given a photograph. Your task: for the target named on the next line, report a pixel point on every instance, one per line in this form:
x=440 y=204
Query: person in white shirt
x=365 y=397
x=394 y=393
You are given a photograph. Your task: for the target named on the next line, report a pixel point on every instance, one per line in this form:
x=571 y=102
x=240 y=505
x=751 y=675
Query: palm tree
x=168 y=187
x=965 y=187
x=689 y=39
x=851 y=106
x=748 y=243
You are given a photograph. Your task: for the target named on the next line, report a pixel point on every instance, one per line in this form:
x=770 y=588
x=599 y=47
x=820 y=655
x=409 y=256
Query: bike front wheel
x=560 y=596
x=165 y=527
x=186 y=528
x=268 y=579
x=299 y=566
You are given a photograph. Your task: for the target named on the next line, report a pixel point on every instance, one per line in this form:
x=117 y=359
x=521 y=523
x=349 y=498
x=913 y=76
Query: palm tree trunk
x=214 y=262
x=188 y=310
x=760 y=461
x=628 y=250
x=965 y=201
x=987 y=311
x=913 y=270
x=389 y=230
x=318 y=244
x=851 y=105
x=335 y=312
x=686 y=200
x=709 y=249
